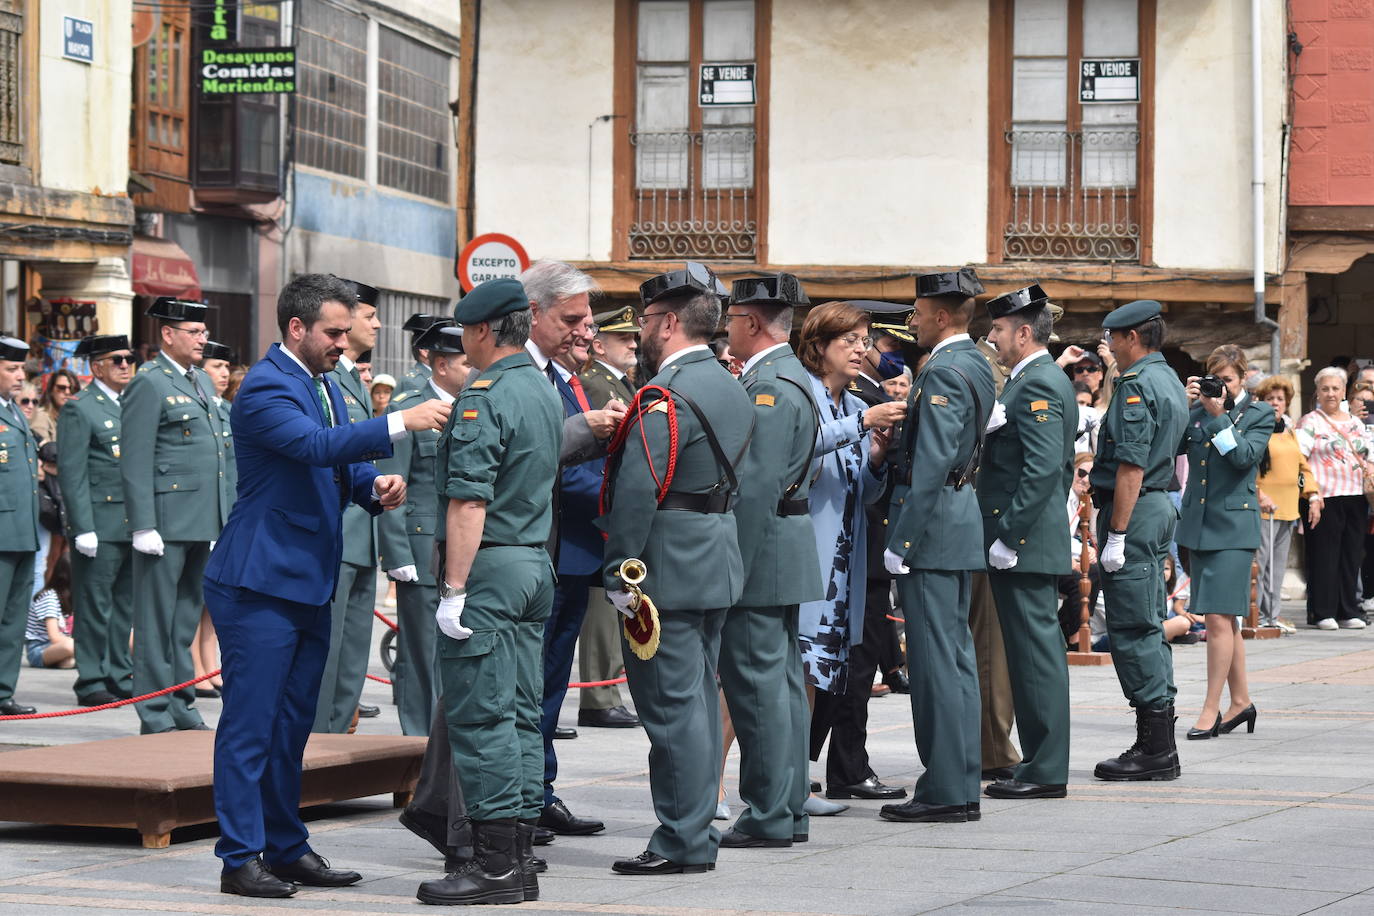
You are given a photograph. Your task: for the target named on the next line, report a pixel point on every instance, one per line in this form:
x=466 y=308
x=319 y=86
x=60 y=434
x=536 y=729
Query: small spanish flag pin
x=470 y=414
x=1133 y=399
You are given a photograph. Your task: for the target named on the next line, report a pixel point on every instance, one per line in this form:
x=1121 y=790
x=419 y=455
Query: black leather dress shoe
x=313 y=870
x=615 y=717
x=207 y=693
x=800 y=837
x=975 y=811
x=563 y=733
x=998 y=773
x=897 y=680
x=252 y=879
x=1015 y=788
x=815 y=786
x=11 y=708
x=914 y=812
x=98 y=698
x=869 y=788
x=198 y=727
x=649 y=863
x=559 y=819
x=738 y=839
x=368 y=712
x=543 y=836
x=124 y=690
x=432 y=828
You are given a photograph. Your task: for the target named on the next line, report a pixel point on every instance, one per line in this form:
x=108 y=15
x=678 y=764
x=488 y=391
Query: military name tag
x=1039 y=405
x=939 y=400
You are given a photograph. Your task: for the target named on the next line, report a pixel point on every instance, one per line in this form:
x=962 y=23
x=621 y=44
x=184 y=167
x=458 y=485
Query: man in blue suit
x=271 y=580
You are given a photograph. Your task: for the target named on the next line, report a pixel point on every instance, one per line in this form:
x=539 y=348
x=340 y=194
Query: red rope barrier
x=85 y=709
x=386 y=620
x=895 y=619
x=578 y=685
x=379 y=680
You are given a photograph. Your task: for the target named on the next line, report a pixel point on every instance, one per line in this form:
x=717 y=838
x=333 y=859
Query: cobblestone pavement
x=1275 y=822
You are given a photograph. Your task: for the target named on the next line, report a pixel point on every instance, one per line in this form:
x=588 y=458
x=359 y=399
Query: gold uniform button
x=1204 y=462
x=1204 y=481
x=884 y=521
x=174 y=486
x=107 y=499
x=1202 y=500
x=417 y=529
x=1246 y=506
x=906 y=544
x=1023 y=540
x=996 y=511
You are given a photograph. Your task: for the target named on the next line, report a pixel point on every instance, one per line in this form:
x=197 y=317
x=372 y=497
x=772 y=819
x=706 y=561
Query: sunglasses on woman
x=27 y=402
x=1083 y=472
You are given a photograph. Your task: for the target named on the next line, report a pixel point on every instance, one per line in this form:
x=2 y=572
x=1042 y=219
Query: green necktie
x=324 y=401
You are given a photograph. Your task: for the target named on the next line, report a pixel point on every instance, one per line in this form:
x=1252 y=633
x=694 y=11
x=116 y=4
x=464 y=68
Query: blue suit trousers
x=273 y=653
x=560 y=640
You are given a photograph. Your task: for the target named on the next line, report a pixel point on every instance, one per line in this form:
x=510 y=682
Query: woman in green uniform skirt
x=1225 y=439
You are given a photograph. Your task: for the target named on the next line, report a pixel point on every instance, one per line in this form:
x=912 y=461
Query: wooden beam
x=469 y=35
x=1331 y=219
x=1293 y=316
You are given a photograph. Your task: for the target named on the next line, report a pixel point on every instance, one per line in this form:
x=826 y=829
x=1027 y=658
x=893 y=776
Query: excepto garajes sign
x=1114 y=80
x=726 y=84
x=489 y=257
x=247 y=71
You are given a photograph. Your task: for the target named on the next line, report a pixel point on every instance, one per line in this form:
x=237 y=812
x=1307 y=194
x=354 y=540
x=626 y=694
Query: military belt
x=485 y=544
x=790 y=507
x=714 y=503
x=1101 y=496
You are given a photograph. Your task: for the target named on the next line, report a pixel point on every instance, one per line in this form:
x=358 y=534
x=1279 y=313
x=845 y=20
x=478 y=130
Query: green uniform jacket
x=501 y=446
x=359 y=528
x=88 y=466
x=692 y=557
x=601 y=385
x=405 y=536
x=1027 y=468
x=18 y=485
x=781 y=566
x=414 y=379
x=231 y=464
x=1220 y=508
x=1143 y=425
x=933 y=525
x=173 y=461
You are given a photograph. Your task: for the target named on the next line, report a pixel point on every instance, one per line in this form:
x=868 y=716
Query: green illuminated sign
x=247 y=71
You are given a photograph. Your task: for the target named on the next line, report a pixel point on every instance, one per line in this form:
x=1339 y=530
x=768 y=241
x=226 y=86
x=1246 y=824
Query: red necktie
x=578 y=393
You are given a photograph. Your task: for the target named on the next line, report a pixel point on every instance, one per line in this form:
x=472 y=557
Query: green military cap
x=620 y=321
x=1132 y=314
x=491 y=300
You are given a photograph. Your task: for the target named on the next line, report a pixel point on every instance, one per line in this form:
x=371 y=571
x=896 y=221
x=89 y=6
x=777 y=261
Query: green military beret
x=491 y=300
x=1132 y=314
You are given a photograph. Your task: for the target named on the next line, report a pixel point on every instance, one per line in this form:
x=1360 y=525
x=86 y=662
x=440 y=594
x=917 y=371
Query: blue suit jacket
x=579 y=540
x=284 y=536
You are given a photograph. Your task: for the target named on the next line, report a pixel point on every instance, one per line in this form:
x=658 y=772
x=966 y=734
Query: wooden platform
x=153 y=783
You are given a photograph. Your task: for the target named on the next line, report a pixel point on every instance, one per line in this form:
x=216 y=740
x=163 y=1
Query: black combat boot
x=1154 y=756
x=530 y=863
x=492 y=875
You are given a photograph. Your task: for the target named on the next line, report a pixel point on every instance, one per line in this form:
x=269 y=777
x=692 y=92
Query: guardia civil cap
x=420 y=322
x=890 y=318
x=1018 y=300
x=490 y=300
x=778 y=290
x=692 y=279
x=962 y=283
x=170 y=308
x=98 y=344
x=1132 y=314
x=362 y=292
x=619 y=321
x=13 y=349
x=442 y=337
x=215 y=350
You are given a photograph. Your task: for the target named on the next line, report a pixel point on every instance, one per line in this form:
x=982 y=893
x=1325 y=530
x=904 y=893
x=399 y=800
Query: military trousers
x=491 y=683
x=944 y=684
x=994 y=682
x=678 y=703
x=102 y=617
x=598 y=652
x=1038 y=669
x=16 y=593
x=168 y=600
x=1136 y=600
x=756 y=649
x=350 y=642
x=413 y=675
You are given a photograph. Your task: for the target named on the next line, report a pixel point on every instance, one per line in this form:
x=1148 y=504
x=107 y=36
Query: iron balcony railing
x=694 y=194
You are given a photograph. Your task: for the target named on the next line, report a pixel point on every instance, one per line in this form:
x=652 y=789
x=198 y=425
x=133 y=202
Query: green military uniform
x=102 y=586
x=405 y=537
x=501 y=446
x=760 y=662
x=414 y=379
x=231 y=465
x=675 y=692
x=176 y=481
x=1220 y=518
x=350 y=624
x=19 y=531
x=1023 y=485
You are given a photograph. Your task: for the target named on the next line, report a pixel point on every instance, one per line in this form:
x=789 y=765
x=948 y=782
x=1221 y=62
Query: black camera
x=1211 y=387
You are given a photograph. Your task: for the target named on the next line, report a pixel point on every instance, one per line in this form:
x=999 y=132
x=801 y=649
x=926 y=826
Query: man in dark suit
x=301 y=462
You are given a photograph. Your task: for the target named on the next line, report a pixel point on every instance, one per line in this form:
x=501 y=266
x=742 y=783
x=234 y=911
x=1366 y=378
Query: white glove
x=894 y=564
x=1000 y=556
x=622 y=601
x=86 y=544
x=404 y=573
x=212 y=546
x=1114 y=554
x=449 y=616
x=998 y=418
x=149 y=541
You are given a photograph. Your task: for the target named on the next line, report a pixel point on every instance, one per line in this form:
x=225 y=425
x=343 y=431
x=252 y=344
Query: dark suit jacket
x=579 y=542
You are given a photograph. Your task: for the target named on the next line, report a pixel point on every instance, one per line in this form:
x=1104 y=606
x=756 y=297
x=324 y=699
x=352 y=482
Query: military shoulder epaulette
x=483 y=384
x=402 y=396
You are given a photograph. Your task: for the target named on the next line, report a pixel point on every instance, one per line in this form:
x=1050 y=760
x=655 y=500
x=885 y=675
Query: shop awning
x=162 y=268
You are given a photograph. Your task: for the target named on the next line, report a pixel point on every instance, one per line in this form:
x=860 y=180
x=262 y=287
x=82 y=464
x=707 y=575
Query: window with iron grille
x=11 y=82
x=331 y=97
x=392 y=351
x=413 y=116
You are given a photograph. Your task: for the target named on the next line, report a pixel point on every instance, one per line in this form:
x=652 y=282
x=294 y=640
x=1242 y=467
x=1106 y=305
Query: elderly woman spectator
x=850 y=473
x=60 y=386
x=1284 y=477
x=1336 y=448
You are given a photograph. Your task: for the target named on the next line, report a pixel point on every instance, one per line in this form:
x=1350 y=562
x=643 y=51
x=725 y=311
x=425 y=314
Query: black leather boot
x=1154 y=756
x=492 y=875
x=530 y=864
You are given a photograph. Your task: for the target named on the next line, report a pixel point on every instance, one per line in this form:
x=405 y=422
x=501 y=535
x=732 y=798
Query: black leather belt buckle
x=791 y=507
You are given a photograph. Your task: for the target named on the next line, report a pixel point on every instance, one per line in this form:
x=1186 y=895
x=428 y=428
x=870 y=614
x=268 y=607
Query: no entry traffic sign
x=489 y=257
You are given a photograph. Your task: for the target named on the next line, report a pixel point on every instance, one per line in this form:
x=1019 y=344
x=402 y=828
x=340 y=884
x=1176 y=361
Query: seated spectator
x=60 y=386
x=47 y=638
x=1180 y=627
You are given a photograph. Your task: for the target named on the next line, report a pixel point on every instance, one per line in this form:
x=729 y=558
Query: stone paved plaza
x=1278 y=822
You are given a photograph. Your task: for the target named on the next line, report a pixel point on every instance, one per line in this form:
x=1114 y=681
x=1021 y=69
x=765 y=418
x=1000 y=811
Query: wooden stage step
x=152 y=783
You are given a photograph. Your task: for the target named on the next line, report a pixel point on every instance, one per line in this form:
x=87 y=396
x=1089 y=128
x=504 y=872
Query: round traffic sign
x=489 y=257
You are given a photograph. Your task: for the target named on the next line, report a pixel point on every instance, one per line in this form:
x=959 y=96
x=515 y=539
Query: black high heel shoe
x=1198 y=734
x=1248 y=717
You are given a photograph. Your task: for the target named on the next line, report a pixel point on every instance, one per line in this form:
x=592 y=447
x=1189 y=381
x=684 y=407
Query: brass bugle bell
x=641 y=630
